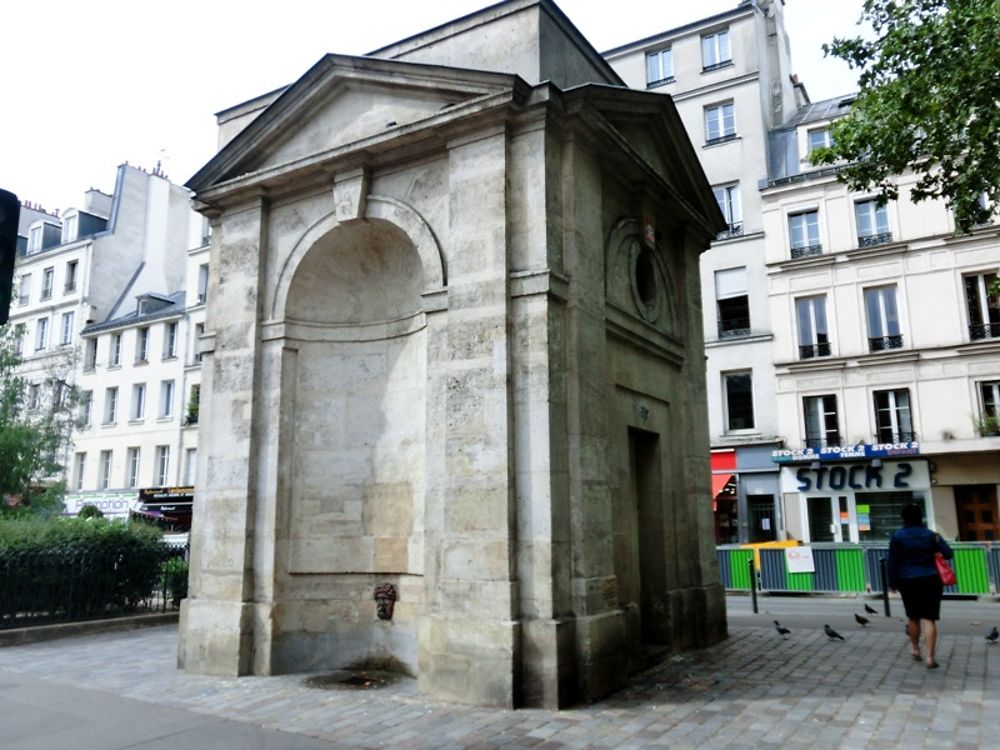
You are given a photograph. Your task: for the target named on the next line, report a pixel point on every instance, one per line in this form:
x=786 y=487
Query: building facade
x=730 y=77
x=453 y=341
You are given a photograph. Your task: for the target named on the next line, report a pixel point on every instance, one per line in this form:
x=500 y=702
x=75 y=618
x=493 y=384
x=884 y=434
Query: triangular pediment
x=342 y=101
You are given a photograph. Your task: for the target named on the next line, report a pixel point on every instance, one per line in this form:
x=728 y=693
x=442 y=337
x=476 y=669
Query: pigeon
x=862 y=621
x=832 y=634
x=871 y=610
x=782 y=630
x=994 y=634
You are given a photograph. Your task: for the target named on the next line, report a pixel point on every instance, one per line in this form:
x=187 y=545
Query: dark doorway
x=976 y=508
x=647 y=574
x=760 y=508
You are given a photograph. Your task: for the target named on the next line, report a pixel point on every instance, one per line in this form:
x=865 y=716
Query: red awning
x=718 y=482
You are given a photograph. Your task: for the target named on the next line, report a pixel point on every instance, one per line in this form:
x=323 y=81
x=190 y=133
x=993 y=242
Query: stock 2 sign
x=865 y=477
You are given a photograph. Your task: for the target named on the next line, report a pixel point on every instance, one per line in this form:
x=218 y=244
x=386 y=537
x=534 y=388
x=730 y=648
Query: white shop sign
x=799 y=560
x=111 y=504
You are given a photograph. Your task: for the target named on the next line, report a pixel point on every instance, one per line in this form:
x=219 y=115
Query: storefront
x=169 y=507
x=745 y=489
x=111 y=504
x=852 y=494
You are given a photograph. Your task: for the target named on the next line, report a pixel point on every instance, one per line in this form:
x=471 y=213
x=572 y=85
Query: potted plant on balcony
x=988 y=426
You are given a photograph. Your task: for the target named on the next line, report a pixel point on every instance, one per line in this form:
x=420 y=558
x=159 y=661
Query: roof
x=176 y=303
x=744 y=6
x=828 y=109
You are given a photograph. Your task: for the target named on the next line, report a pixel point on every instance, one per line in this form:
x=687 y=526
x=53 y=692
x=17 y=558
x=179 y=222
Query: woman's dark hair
x=912 y=515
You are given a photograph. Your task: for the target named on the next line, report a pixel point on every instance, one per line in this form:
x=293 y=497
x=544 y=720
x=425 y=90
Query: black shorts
x=921 y=597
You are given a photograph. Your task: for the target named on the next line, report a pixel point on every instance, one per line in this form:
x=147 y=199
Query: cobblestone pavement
x=754 y=690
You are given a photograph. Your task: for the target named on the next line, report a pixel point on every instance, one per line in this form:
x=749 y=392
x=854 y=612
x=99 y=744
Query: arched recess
x=403 y=216
x=351 y=296
x=638 y=278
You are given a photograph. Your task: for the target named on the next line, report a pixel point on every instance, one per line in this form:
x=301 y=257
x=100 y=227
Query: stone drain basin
x=360 y=679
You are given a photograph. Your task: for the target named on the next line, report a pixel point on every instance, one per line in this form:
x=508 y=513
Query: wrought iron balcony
x=731 y=328
x=808 y=351
x=716 y=66
x=659 y=82
x=984 y=331
x=875 y=239
x=806 y=250
x=735 y=229
x=720 y=139
x=884 y=343
x=887 y=435
x=818 y=442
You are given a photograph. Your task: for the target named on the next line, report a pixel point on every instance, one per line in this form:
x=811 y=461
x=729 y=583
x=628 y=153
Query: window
x=202 y=283
x=34 y=395
x=170 y=340
x=818 y=138
x=66 y=337
x=35 y=237
x=70 y=285
x=47 y=278
x=18 y=344
x=728 y=198
x=115 y=351
x=892 y=416
x=814 y=338
x=983 y=307
x=873 y=223
x=79 y=466
x=199 y=331
x=989 y=424
x=69 y=228
x=190 y=466
x=142 y=345
x=166 y=398
x=110 y=405
x=41 y=334
x=715 y=51
x=720 y=123
x=24 y=289
x=132 y=468
x=90 y=356
x=821 y=421
x=732 y=302
x=194 y=401
x=738 y=388
x=659 y=68
x=138 y=401
x=59 y=389
x=105 y=473
x=883 y=319
x=162 y=464
x=803 y=234
x=84 y=408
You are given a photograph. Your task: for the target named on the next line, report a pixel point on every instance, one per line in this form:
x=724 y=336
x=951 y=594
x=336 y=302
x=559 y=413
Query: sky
x=103 y=82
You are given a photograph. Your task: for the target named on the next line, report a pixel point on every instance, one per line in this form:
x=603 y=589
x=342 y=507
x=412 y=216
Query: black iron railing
x=826 y=441
x=804 y=251
x=720 y=139
x=659 y=82
x=735 y=229
x=808 y=351
x=887 y=435
x=875 y=239
x=731 y=328
x=716 y=66
x=984 y=331
x=884 y=343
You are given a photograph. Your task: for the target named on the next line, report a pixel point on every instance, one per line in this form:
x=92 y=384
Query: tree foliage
x=33 y=437
x=929 y=101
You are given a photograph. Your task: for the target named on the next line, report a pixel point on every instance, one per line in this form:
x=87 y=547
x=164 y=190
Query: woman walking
x=913 y=573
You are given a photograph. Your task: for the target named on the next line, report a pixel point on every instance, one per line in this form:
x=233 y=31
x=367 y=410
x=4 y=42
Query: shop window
x=983 y=306
x=881 y=511
x=814 y=337
x=821 y=421
x=738 y=391
x=732 y=302
x=893 y=422
x=883 y=319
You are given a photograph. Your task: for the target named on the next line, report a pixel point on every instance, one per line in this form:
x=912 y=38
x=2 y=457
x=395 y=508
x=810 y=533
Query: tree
x=33 y=436
x=929 y=101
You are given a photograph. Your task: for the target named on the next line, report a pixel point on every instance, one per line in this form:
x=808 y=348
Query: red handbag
x=945 y=573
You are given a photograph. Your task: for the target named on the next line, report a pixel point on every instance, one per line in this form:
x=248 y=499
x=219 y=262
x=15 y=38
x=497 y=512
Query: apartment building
x=887 y=351
x=730 y=78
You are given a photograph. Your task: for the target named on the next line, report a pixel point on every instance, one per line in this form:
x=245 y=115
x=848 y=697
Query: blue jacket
x=911 y=553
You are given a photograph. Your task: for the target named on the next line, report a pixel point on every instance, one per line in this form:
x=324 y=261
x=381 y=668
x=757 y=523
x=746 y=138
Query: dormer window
x=70 y=228
x=818 y=138
x=35 y=235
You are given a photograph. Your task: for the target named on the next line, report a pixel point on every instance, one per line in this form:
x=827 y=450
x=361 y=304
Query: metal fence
x=66 y=584
x=849 y=568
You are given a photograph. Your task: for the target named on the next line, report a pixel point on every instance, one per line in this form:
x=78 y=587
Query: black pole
x=753 y=584
x=885 y=586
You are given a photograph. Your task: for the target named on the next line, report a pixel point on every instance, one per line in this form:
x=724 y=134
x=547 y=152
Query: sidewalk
x=755 y=690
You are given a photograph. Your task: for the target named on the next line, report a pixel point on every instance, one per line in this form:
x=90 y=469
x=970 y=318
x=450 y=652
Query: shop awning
x=719 y=481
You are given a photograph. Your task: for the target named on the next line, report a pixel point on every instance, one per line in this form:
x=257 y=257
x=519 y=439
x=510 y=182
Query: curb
x=39 y=633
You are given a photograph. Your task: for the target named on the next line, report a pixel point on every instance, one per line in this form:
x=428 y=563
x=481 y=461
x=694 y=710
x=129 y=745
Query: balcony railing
x=875 y=239
x=735 y=229
x=720 y=139
x=818 y=442
x=716 y=66
x=732 y=328
x=69 y=287
x=984 y=331
x=884 y=343
x=660 y=82
x=887 y=435
x=806 y=250
x=809 y=351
